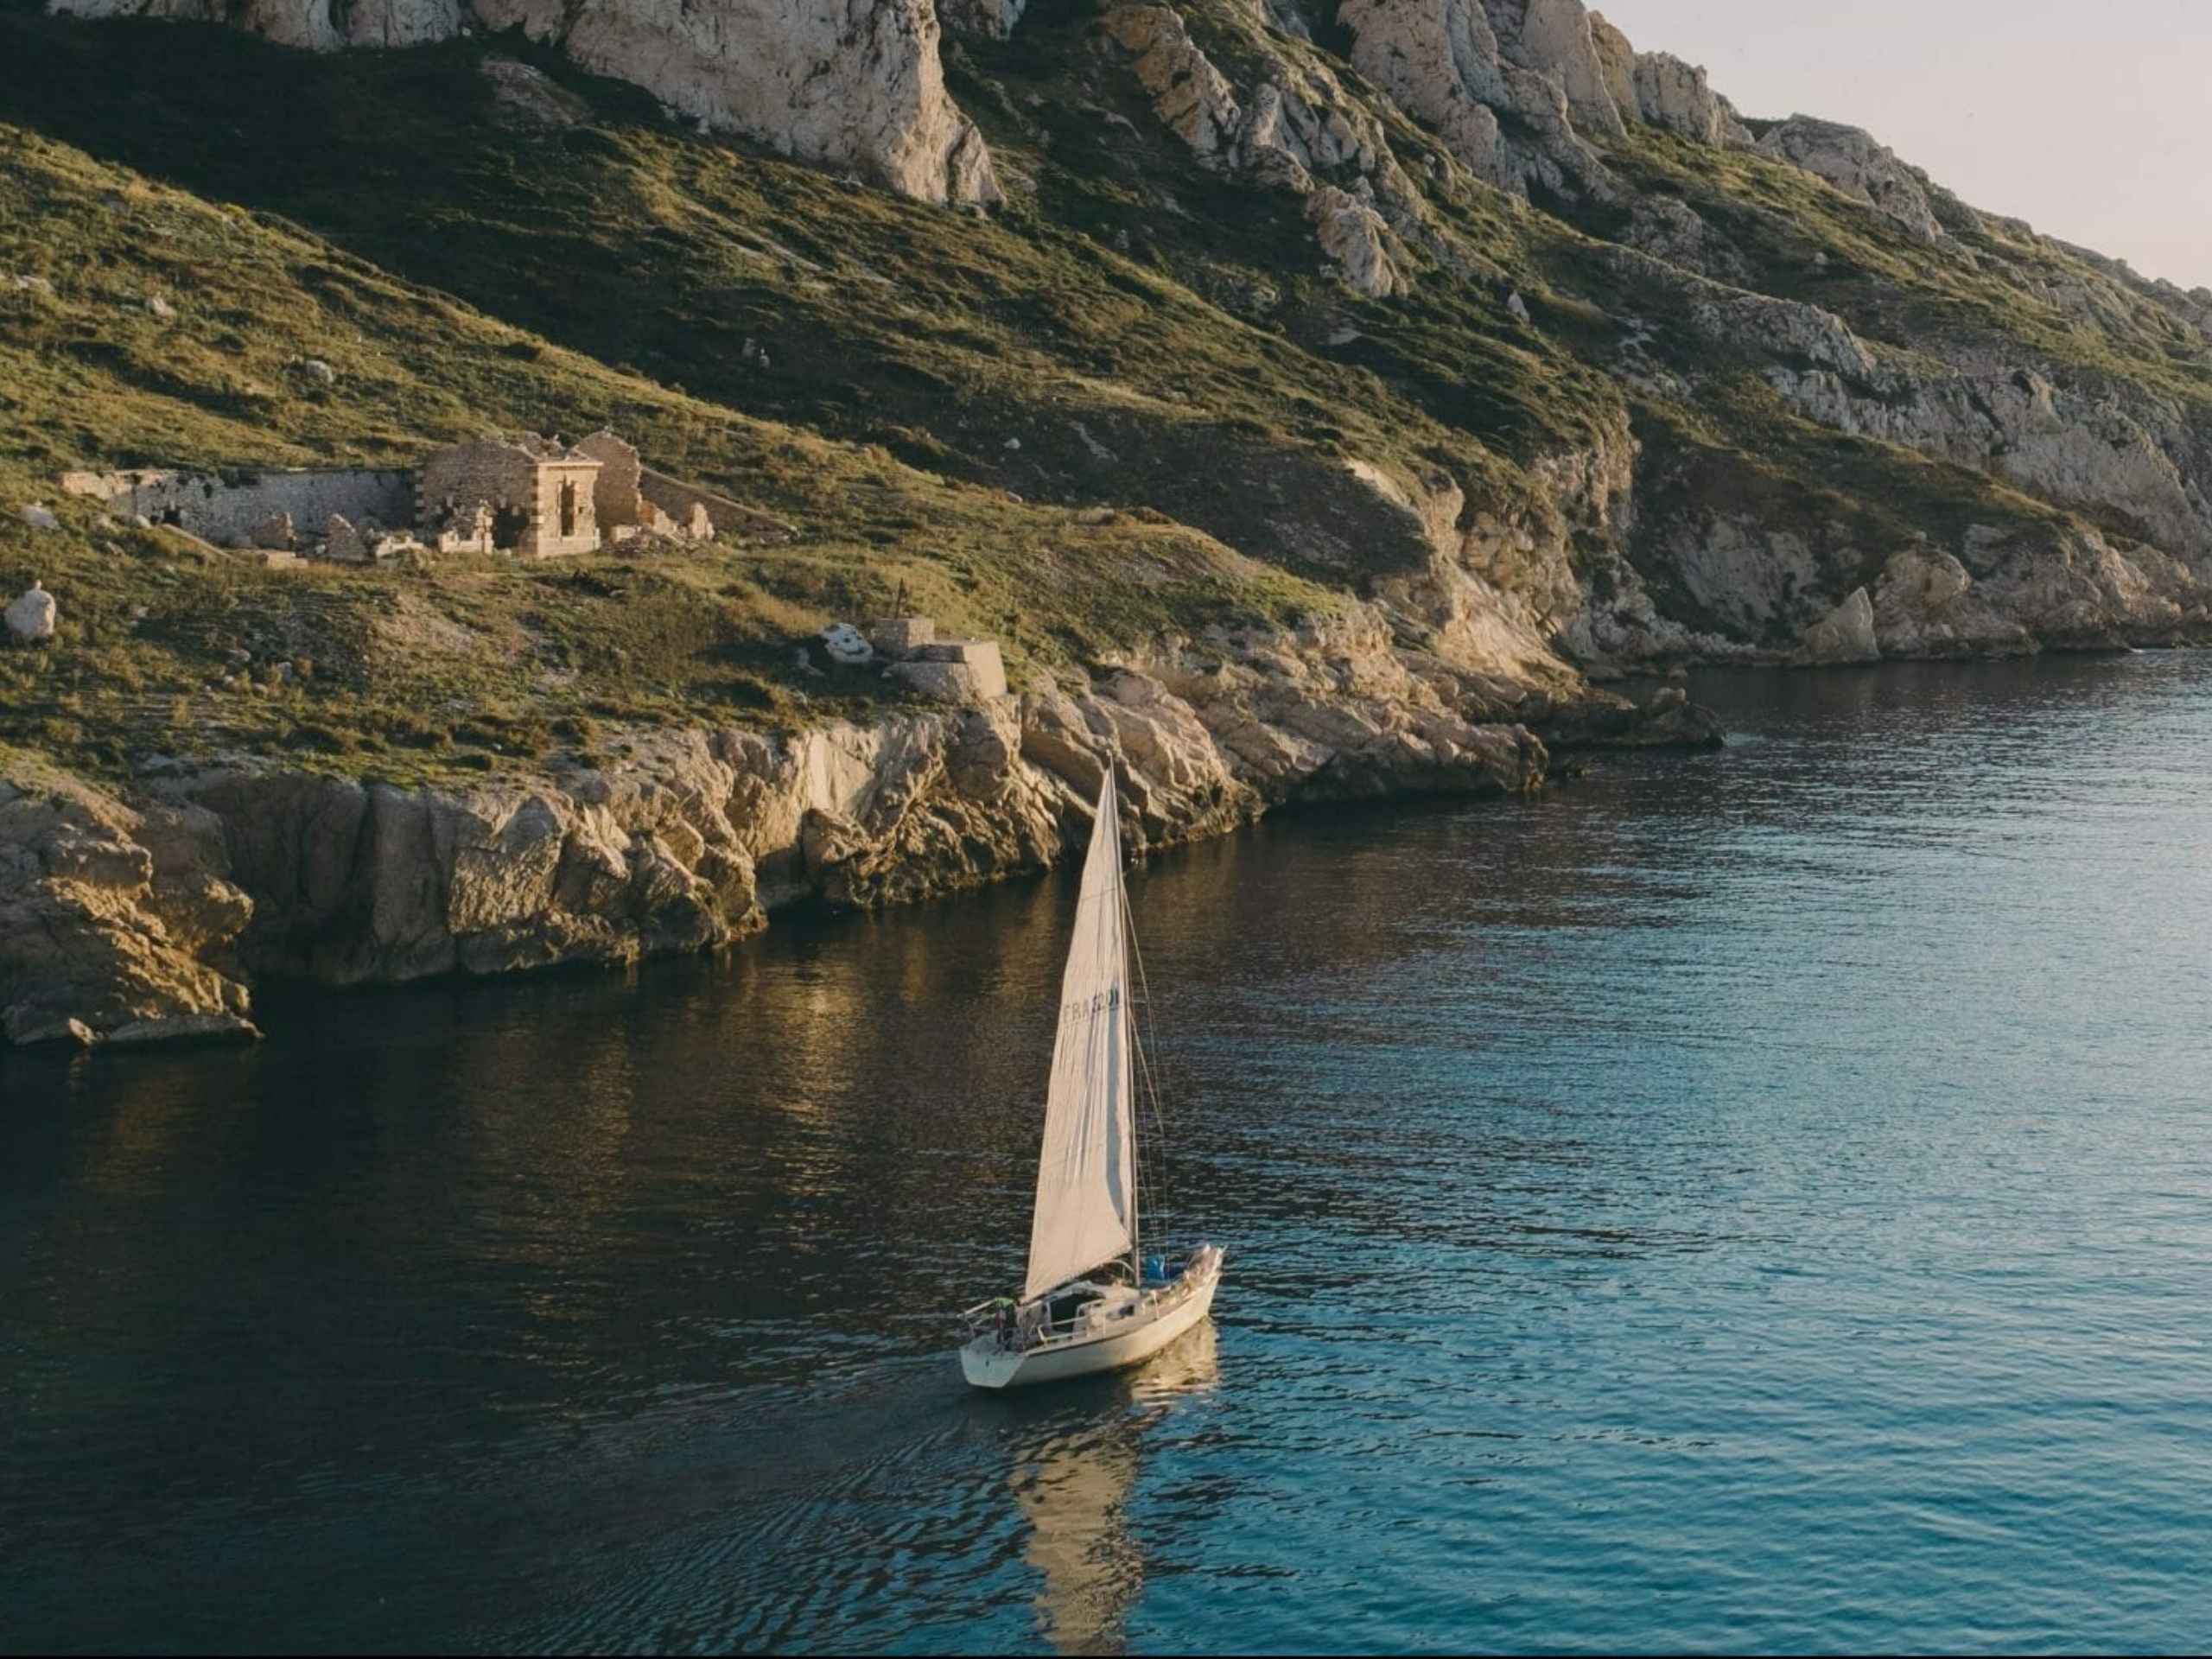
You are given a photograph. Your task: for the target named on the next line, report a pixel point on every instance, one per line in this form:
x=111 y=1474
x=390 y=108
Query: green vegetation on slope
x=1121 y=406
x=405 y=672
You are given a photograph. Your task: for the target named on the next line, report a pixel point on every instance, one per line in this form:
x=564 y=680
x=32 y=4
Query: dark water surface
x=1750 y=1200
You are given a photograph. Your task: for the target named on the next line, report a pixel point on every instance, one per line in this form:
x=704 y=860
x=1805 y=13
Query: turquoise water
x=1752 y=1200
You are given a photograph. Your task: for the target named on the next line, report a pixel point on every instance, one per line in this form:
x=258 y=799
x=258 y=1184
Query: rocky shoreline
x=145 y=914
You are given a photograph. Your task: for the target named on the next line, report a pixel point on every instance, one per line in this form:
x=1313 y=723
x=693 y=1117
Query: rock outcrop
x=1294 y=129
x=111 y=919
x=857 y=83
x=1459 y=64
x=129 y=923
x=1850 y=159
x=1357 y=239
x=1675 y=95
x=1844 y=635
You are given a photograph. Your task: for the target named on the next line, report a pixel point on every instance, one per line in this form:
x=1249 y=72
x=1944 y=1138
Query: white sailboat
x=1090 y=1303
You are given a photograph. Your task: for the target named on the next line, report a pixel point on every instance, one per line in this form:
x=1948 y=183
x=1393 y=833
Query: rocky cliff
x=1325 y=394
x=855 y=83
x=131 y=922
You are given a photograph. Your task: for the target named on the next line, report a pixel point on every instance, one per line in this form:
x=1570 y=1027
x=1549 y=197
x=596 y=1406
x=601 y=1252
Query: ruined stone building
x=533 y=496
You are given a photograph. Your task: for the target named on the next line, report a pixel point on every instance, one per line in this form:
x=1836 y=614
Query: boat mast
x=1129 y=1040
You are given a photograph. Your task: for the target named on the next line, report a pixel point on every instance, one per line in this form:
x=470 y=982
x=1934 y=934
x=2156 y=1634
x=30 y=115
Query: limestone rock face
x=130 y=922
x=1850 y=159
x=2093 y=452
x=1292 y=129
x=317 y=25
x=107 y=915
x=1788 y=330
x=1616 y=63
x=1296 y=119
x=1557 y=38
x=1192 y=97
x=1668 y=228
x=1675 y=95
x=1457 y=63
x=855 y=83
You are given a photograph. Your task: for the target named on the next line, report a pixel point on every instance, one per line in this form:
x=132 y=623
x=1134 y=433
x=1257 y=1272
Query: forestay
x=1086 y=1176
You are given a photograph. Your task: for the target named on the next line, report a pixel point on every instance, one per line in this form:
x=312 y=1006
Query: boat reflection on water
x=1074 y=1488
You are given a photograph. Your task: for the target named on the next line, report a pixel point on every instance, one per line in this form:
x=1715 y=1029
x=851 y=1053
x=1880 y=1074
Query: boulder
x=1844 y=635
x=847 y=645
x=31 y=618
x=38 y=516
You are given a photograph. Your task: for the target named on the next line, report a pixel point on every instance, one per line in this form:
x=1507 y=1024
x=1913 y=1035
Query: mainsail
x=1087 y=1176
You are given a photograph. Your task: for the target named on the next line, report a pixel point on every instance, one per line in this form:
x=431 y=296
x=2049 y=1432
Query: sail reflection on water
x=1074 y=1492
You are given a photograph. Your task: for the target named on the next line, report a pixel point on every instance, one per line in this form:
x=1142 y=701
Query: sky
x=2088 y=120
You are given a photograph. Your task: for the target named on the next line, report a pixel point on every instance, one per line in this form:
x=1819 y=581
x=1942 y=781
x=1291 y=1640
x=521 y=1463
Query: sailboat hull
x=1129 y=1341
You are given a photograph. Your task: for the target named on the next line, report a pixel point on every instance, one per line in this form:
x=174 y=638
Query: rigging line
x=1144 y=1059
x=1155 y=1074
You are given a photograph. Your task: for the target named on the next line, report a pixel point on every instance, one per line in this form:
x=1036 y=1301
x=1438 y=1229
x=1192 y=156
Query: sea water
x=1752 y=1199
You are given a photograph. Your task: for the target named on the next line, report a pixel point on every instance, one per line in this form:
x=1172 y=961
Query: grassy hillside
x=404 y=673
x=1119 y=407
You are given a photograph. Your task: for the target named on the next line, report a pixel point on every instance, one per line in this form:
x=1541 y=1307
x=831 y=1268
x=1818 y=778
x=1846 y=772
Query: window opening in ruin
x=568 y=510
x=507 y=527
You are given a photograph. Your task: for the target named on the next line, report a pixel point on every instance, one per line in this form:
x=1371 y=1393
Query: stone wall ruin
x=233 y=507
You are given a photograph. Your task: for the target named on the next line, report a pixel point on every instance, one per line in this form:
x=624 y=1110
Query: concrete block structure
x=955 y=670
x=980 y=656
x=901 y=636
